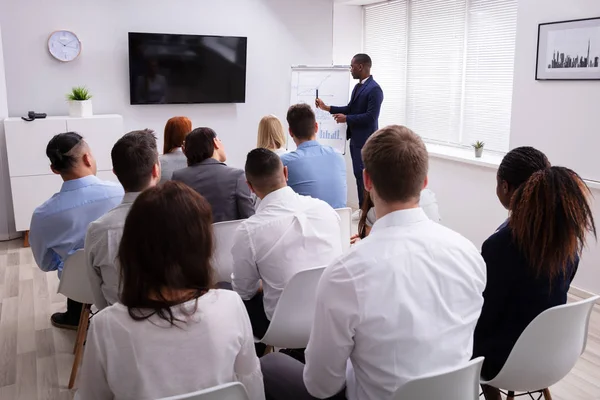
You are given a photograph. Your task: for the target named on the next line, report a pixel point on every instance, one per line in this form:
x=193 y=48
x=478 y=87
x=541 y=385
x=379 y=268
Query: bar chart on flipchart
x=332 y=85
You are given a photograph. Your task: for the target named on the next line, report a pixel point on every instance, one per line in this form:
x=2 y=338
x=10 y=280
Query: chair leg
x=547 y=395
x=511 y=395
x=83 y=325
x=79 y=330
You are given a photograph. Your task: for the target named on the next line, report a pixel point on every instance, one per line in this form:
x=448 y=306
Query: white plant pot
x=479 y=152
x=80 y=108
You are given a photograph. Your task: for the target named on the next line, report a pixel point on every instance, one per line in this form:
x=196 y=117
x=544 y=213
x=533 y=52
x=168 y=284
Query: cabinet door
x=26 y=145
x=100 y=133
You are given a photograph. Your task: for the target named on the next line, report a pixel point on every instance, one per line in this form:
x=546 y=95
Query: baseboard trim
x=584 y=294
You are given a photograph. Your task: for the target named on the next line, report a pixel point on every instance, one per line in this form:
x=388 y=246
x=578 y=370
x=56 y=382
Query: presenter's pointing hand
x=339 y=118
x=320 y=104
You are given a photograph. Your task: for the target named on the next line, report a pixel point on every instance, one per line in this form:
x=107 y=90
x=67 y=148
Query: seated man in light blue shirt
x=313 y=169
x=59 y=225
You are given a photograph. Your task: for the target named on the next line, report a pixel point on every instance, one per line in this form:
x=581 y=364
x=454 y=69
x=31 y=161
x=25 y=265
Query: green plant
x=79 y=93
x=478 y=145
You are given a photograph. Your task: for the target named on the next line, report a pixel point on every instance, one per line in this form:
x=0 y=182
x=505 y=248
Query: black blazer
x=513 y=297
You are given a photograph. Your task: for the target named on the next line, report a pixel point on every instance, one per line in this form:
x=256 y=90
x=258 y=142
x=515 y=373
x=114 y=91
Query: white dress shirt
x=147 y=360
x=400 y=304
x=289 y=233
x=101 y=247
x=427 y=202
x=280 y=151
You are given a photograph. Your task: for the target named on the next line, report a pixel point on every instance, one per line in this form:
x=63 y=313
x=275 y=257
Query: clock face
x=64 y=46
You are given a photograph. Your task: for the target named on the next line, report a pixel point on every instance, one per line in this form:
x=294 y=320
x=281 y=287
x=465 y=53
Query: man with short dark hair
x=289 y=233
x=135 y=163
x=224 y=187
x=402 y=304
x=361 y=114
x=314 y=170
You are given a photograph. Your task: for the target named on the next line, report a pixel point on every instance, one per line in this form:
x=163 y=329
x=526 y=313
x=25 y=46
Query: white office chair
x=222 y=259
x=293 y=316
x=345 y=226
x=75 y=284
x=228 y=391
x=457 y=384
x=547 y=350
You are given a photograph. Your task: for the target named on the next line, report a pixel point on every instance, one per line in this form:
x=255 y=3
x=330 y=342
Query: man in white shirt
x=289 y=233
x=402 y=303
x=135 y=163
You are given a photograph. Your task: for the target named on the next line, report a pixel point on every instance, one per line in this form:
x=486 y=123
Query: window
x=446 y=67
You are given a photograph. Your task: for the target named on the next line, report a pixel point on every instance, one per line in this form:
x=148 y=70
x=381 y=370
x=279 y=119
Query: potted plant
x=478 y=146
x=80 y=103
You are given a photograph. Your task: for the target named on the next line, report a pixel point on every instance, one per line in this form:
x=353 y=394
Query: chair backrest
x=345 y=226
x=548 y=348
x=458 y=384
x=74 y=281
x=222 y=259
x=228 y=391
x=293 y=316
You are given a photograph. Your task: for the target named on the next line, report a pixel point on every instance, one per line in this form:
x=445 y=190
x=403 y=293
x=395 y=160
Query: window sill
x=488 y=159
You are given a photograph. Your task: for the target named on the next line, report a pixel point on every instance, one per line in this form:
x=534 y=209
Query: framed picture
x=569 y=50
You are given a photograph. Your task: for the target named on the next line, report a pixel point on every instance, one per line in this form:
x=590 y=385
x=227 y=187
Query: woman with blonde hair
x=271 y=135
x=176 y=129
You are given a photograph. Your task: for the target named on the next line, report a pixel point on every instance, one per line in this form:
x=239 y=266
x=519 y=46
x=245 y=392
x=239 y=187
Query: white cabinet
x=32 y=182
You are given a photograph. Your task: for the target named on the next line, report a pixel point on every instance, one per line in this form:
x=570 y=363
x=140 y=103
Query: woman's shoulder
x=501 y=238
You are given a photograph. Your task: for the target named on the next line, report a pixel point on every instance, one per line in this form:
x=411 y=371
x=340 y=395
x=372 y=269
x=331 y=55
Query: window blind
x=445 y=66
x=385 y=42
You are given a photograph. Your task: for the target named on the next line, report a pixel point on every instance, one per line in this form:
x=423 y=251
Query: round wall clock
x=64 y=46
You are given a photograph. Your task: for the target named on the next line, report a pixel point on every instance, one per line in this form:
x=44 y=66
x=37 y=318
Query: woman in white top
x=271 y=135
x=427 y=202
x=172 y=334
x=176 y=129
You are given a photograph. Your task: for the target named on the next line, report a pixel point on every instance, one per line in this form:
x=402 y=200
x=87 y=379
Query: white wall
x=7 y=223
x=561 y=118
x=280 y=33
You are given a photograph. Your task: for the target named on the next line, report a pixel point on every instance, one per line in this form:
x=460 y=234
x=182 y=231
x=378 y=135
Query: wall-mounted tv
x=183 y=69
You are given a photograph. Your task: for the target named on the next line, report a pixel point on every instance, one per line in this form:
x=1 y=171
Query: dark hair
x=364 y=211
x=199 y=145
x=301 y=119
x=263 y=169
x=58 y=150
x=167 y=243
x=363 y=59
x=397 y=162
x=550 y=212
x=133 y=157
x=176 y=129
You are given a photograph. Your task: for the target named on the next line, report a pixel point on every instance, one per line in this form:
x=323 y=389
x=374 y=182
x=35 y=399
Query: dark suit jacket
x=362 y=113
x=223 y=187
x=513 y=297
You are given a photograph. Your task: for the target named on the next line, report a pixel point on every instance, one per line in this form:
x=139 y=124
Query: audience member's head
x=550 y=211
x=270 y=133
x=396 y=164
x=265 y=172
x=176 y=129
x=302 y=122
x=202 y=144
x=515 y=169
x=360 y=66
x=165 y=251
x=70 y=156
x=135 y=160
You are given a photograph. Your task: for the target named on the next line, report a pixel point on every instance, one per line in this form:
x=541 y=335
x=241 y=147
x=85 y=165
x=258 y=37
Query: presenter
x=361 y=114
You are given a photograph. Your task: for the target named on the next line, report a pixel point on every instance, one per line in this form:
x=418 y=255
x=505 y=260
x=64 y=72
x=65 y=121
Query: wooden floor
x=36 y=358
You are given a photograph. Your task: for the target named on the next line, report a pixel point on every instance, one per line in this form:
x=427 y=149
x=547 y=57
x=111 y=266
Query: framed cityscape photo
x=569 y=50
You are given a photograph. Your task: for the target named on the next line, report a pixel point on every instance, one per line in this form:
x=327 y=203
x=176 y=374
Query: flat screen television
x=183 y=69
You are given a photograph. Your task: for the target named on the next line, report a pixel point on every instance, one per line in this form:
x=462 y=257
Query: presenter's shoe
x=356 y=215
x=64 y=321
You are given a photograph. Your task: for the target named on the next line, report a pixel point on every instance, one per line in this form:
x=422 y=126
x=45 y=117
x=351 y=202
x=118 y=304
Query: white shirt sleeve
x=247 y=366
x=246 y=279
x=93 y=383
x=92 y=245
x=332 y=336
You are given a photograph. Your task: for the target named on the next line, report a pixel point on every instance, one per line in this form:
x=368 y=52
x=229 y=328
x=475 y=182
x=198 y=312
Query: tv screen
x=180 y=69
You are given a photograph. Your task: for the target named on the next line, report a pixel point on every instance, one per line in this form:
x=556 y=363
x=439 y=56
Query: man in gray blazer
x=223 y=187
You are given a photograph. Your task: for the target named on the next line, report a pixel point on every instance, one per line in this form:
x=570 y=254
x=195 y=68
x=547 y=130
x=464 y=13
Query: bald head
x=264 y=172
